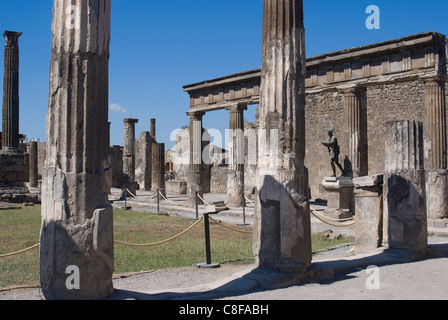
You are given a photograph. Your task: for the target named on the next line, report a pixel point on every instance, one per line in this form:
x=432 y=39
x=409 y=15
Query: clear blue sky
x=160 y=45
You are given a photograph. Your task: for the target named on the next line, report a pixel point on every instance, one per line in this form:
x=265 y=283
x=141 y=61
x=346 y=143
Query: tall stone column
x=235 y=176
x=33 y=177
x=129 y=155
x=436 y=152
x=352 y=107
x=143 y=166
x=76 y=247
x=196 y=161
x=153 y=129
x=282 y=228
x=405 y=221
x=10 y=123
x=158 y=167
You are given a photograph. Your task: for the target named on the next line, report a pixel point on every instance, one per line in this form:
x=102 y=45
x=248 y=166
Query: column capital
x=196 y=115
x=130 y=121
x=11 y=38
x=352 y=91
x=237 y=107
x=435 y=80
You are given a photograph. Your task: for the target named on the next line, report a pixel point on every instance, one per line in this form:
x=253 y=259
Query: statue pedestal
x=339 y=192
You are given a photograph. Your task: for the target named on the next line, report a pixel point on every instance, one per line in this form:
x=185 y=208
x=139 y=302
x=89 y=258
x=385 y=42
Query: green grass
x=20 y=229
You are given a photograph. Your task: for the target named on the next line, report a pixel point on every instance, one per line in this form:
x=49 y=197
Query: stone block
x=176 y=187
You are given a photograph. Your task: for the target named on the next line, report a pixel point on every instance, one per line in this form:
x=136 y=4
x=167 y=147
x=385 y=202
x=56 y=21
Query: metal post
x=208 y=263
x=126 y=207
x=158 y=200
x=197 y=205
x=244 y=213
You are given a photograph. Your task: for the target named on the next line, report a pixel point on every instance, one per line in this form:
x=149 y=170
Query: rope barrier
x=249 y=200
x=221 y=208
x=176 y=203
x=160 y=242
x=331 y=224
x=137 y=197
x=228 y=227
x=18 y=252
x=329 y=218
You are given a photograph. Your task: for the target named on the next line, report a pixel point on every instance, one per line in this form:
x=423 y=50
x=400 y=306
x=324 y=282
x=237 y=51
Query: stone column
x=10 y=136
x=143 y=166
x=194 y=174
x=129 y=155
x=436 y=152
x=352 y=107
x=158 y=167
x=77 y=218
x=33 y=177
x=153 y=129
x=405 y=221
x=282 y=228
x=235 y=177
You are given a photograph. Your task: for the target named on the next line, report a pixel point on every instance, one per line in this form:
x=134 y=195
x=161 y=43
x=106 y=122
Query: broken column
x=33 y=177
x=158 y=167
x=436 y=152
x=129 y=156
x=235 y=173
x=10 y=123
x=77 y=218
x=405 y=221
x=143 y=165
x=282 y=228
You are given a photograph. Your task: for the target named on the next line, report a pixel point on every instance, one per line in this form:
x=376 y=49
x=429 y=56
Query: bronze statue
x=333 y=149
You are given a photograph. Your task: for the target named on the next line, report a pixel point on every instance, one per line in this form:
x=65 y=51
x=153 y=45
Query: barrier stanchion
x=158 y=200
x=126 y=207
x=244 y=214
x=208 y=264
x=197 y=204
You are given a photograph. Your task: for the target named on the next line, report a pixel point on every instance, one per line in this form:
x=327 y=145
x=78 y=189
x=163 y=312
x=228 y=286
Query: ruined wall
x=397 y=101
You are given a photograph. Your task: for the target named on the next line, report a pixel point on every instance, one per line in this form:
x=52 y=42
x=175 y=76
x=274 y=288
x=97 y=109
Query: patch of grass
x=20 y=229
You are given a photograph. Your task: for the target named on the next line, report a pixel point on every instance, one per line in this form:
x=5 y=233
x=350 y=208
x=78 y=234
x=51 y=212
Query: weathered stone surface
x=368 y=213
x=158 y=167
x=437 y=197
x=282 y=230
x=176 y=187
x=10 y=116
x=129 y=156
x=77 y=218
x=405 y=220
x=143 y=161
x=33 y=167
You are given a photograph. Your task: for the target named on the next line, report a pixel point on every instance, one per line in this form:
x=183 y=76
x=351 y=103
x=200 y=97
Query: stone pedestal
x=174 y=187
x=405 y=220
x=437 y=197
x=368 y=195
x=339 y=192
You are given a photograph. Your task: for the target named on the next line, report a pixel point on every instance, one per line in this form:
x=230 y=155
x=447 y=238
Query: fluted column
x=77 y=218
x=435 y=124
x=282 y=230
x=352 y=107
x=10 y=123
x=129 y=155
x=235 y=177
x=194 y=174
x=436 y=152
x=33 y=151
x=404 y=211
